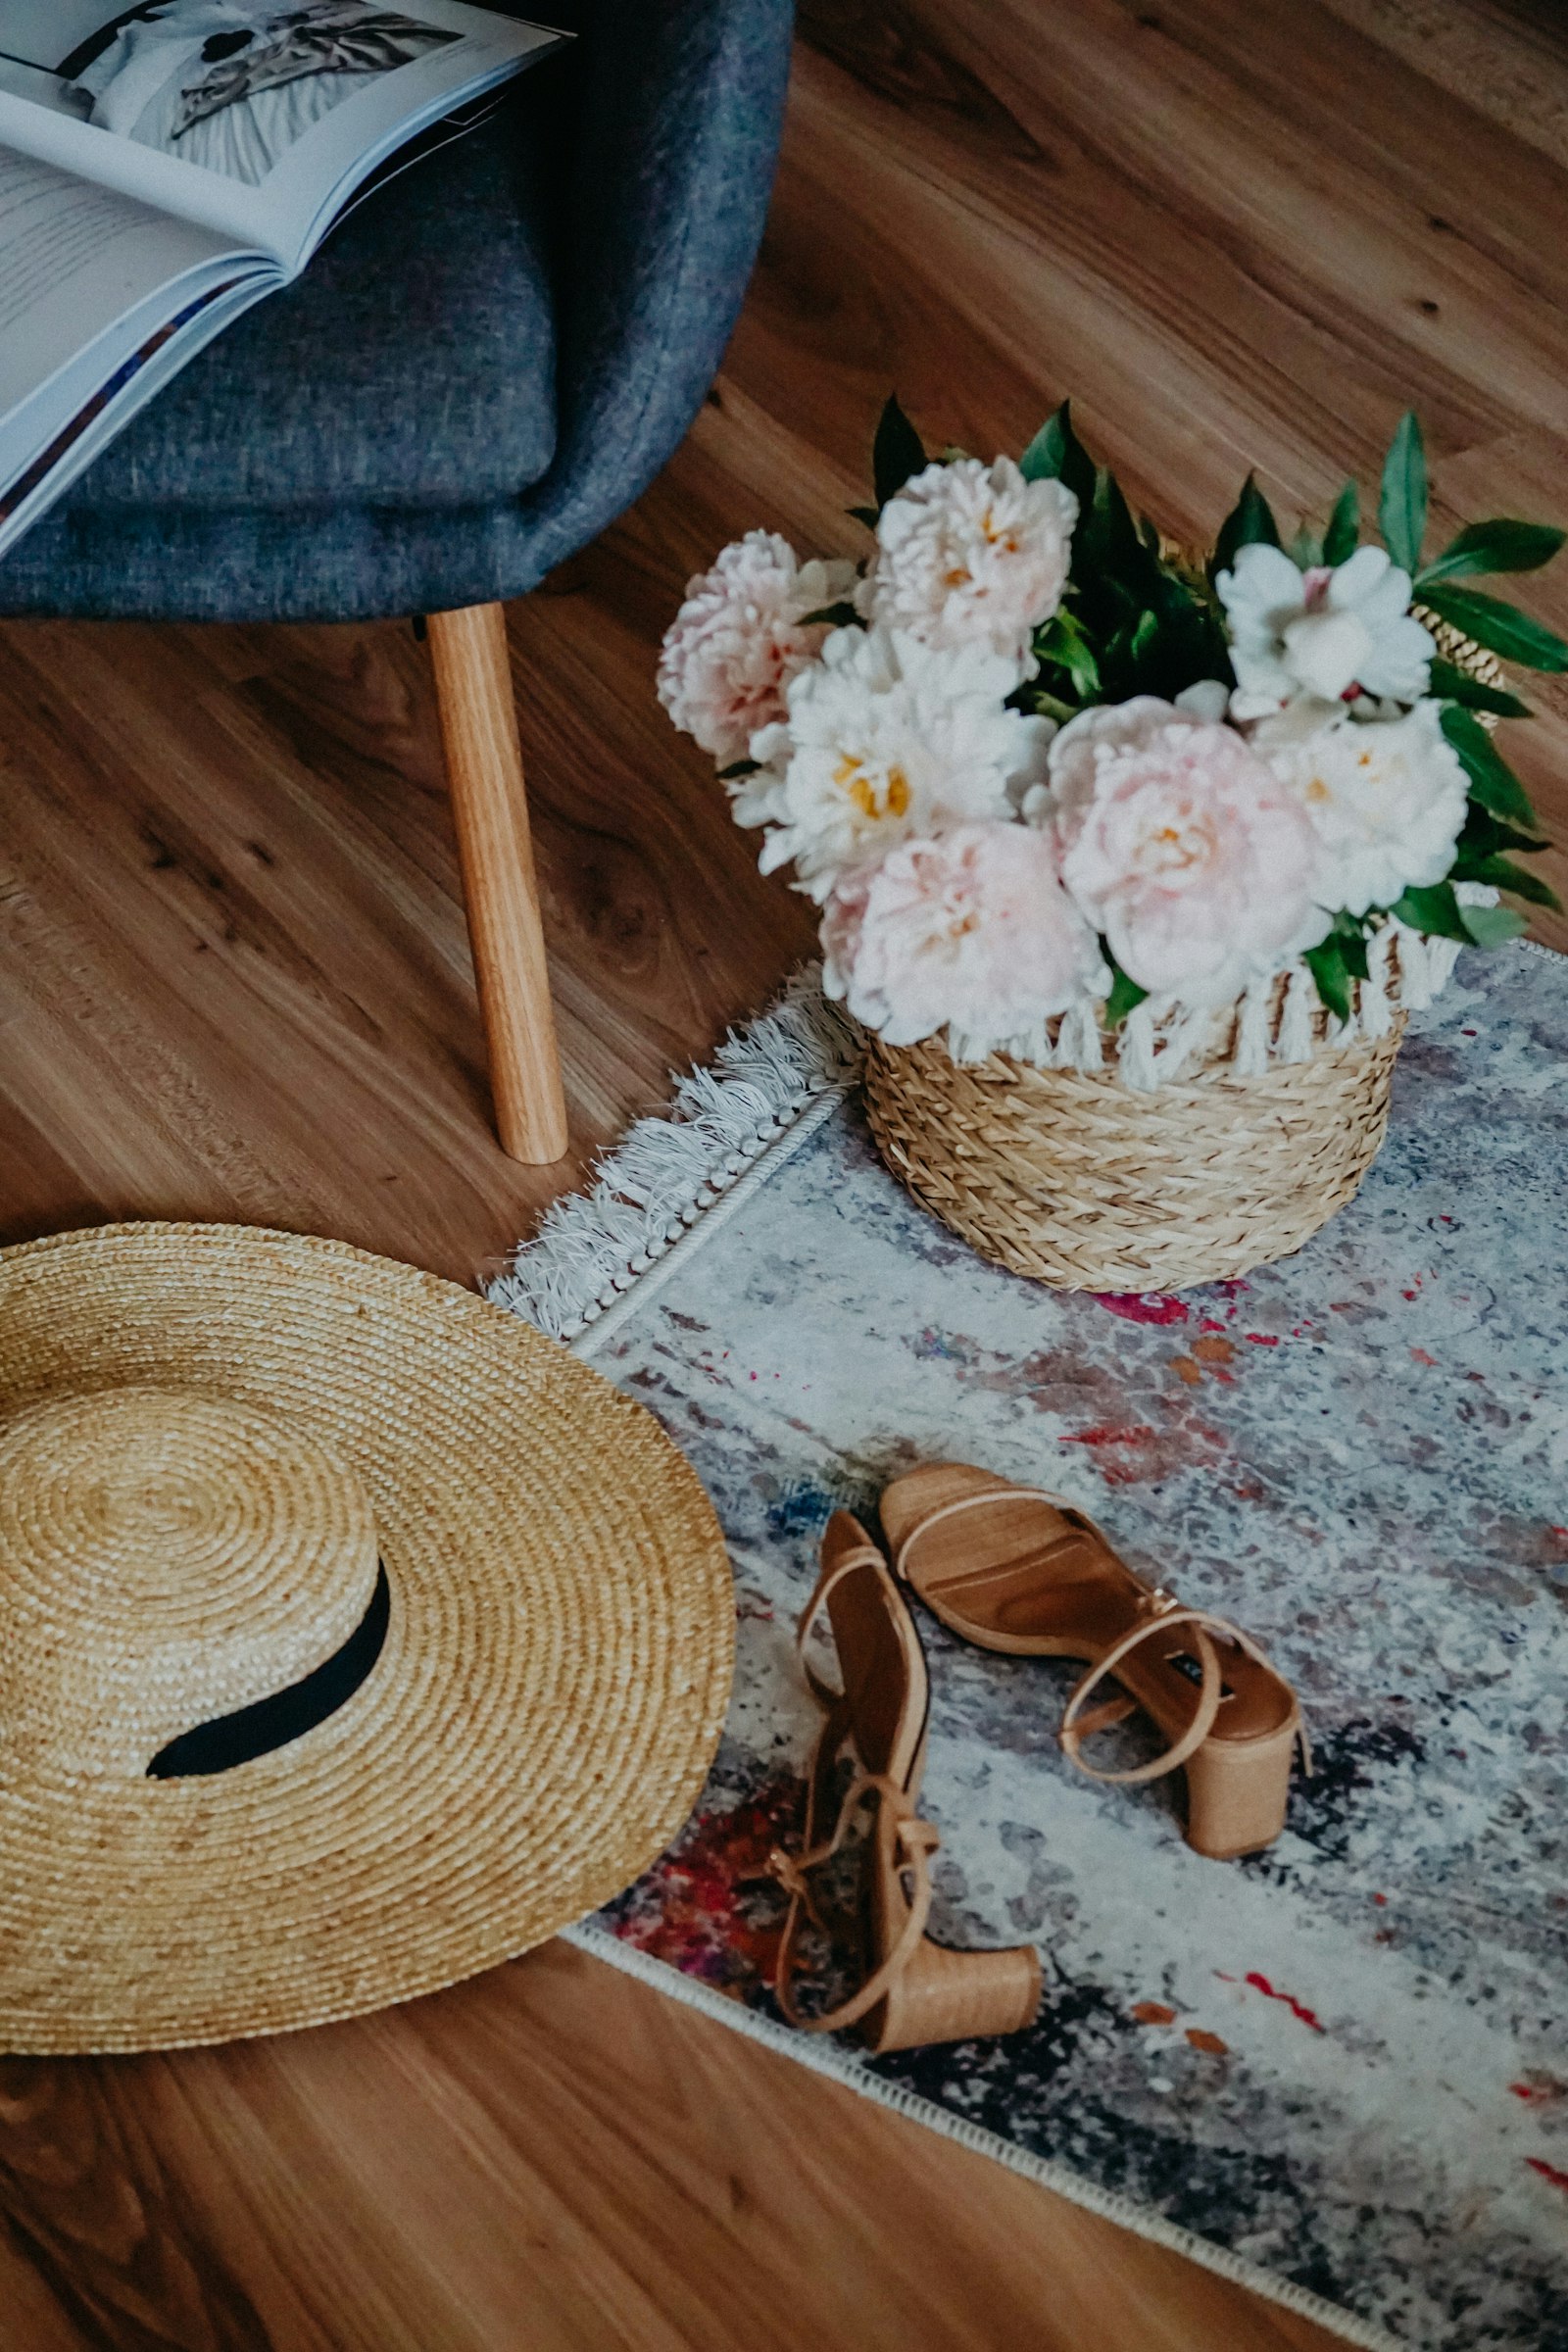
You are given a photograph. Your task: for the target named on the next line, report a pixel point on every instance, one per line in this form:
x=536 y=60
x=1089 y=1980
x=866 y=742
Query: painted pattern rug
x=1339 y=2069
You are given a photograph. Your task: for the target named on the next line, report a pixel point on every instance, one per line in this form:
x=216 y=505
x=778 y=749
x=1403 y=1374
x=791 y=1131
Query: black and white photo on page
x=228 y=85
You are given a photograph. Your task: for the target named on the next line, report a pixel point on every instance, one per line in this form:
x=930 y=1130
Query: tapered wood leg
x=490 y=808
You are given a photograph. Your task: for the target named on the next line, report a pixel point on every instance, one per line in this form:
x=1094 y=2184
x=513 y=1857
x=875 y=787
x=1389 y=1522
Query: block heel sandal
x=913 y=1992
x=1022 y=1571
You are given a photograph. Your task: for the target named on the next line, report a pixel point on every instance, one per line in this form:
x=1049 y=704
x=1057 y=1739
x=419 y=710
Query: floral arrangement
x=1039 y=770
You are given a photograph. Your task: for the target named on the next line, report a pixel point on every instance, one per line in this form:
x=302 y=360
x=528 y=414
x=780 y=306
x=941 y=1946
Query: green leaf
x=1402 y=500
x=1500 y=627
x=1484 y=836
x=1117 y=674
x=1325 y=963
x=738 y=768
x=1056 y=453
x=1306 y=549
x=1062 y=643
x=1249 y=521
x=1435 y=910
x=897 y=452
x=1041 y=457
x=867 y=514
x=1193 y=643
x=1497 y=545
x=1493 y=782
x=1114 y=537
x=1035 y=700
x=1502 y=874
x=1145 y=635
x=834 y=617
x=1344 y=534
x=1490 y=926
x=1452 y=684
x=1124 y=994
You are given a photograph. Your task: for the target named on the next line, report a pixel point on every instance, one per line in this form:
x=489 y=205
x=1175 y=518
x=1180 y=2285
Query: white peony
x=969 y=554
x=740 y=637
x=1385 y=795
x=886 y=739
x=1330 y=632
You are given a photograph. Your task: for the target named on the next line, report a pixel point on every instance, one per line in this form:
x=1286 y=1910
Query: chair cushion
x=413 y=365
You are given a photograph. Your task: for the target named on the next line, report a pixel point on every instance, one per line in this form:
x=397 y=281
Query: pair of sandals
x=1022 y=1571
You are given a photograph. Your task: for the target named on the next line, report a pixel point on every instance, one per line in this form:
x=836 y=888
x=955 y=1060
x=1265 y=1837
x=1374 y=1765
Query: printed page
x=100 y=298
x=52 y=437
x=75 y=263
x=255 y=118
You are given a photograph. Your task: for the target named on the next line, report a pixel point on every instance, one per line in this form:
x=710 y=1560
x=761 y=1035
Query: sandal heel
x=1237 y=1791
x=956 y=1997
x=942 y=1994
x=911 y=1991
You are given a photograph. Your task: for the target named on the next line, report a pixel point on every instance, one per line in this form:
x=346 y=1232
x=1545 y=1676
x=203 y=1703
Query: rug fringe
x=825 y=2057
x=765 y=1092
x=668 y=1174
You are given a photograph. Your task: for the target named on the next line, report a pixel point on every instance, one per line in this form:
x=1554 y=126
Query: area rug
x=1337 y=2070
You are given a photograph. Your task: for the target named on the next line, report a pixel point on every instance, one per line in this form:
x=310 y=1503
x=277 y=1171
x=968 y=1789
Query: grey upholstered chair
x=485 y=364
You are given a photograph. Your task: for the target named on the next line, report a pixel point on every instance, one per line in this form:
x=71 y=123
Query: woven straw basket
x=1078 y=1180
x=1071 y=1177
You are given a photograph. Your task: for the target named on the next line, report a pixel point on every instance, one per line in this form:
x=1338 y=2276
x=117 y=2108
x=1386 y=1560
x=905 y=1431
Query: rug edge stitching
x=825 y=2059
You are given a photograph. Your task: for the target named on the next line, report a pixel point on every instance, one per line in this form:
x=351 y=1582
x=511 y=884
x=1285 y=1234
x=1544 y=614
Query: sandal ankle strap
x=861 y=1556
x=916 y=1840
x=1164 y=1611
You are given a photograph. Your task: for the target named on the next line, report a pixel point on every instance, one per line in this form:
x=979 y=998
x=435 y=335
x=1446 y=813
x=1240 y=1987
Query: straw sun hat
x=237 y=1469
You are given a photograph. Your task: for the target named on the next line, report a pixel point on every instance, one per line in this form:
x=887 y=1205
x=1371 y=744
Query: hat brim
x=534 y=1732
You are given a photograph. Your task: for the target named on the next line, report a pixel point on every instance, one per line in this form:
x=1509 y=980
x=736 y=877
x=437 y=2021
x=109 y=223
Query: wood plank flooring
x=234 y=982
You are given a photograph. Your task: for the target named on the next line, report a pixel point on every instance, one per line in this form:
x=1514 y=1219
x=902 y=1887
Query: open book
x=164 y=165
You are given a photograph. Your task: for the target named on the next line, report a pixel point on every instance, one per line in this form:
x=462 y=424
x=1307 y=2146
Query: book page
x=50 y=439
x=76 y=261
x=253 y=117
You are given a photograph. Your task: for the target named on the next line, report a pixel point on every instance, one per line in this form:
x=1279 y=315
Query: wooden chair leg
x=490 y=810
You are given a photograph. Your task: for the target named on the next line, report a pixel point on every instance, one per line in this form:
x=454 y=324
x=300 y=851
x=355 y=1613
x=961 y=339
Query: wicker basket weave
x=1080 y=1181
x=1076 y=1180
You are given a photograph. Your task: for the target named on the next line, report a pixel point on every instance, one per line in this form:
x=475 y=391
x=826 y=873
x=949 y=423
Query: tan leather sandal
x=914 y=1991
x=1019 y=1570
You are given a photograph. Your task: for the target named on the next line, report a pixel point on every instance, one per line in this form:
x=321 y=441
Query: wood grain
x=477 y=2171
x=234 y=982
x=500 y=889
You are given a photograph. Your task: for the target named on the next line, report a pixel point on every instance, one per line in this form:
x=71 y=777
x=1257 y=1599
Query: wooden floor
x=233 y=983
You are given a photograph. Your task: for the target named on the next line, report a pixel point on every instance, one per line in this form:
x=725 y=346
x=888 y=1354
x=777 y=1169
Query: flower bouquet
x=1130 y=861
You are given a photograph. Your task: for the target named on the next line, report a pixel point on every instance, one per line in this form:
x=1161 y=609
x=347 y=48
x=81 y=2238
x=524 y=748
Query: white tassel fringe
x=1277 y=1020
x=667 y=1172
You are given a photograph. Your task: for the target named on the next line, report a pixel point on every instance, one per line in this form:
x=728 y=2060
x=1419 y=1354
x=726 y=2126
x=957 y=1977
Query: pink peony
x=973 y=927
x=740 y=638
x=1179 y=843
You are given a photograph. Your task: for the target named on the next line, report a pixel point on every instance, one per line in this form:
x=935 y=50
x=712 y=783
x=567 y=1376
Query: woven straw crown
x=214 y=1445
x=164 y=1559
